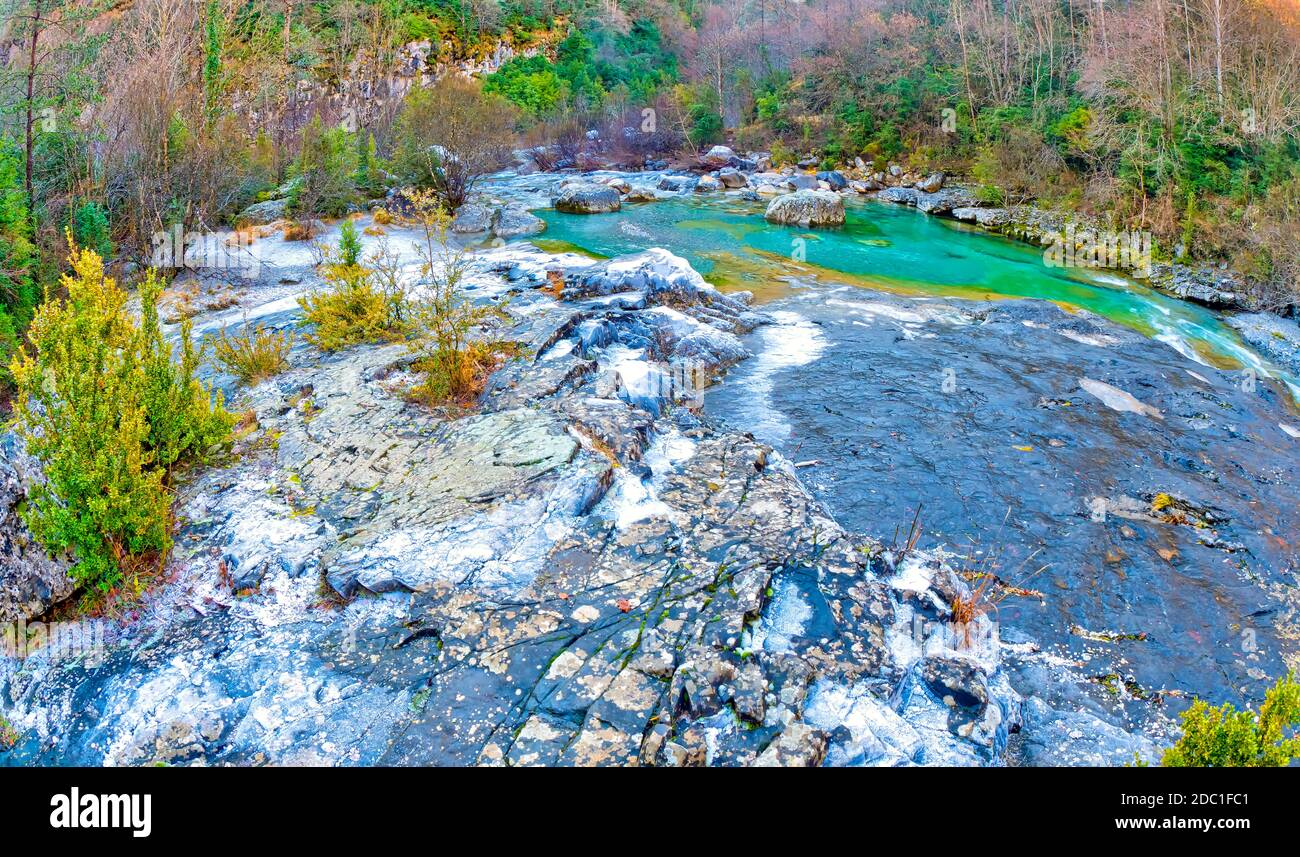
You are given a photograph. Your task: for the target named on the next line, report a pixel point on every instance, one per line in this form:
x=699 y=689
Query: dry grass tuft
x=253 y=354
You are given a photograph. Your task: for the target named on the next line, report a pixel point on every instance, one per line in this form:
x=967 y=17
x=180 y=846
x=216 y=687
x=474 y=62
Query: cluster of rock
x=801 y=198
x=584 y=570
x=1210 y=285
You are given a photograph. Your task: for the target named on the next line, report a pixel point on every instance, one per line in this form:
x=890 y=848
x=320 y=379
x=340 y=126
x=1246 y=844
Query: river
x=920 y=364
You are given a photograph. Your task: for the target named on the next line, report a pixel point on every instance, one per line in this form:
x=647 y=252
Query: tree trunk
x=29 y=186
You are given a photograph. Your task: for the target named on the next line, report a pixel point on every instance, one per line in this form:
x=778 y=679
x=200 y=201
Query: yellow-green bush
x=1224 y=737
x=364 y=301
x=109 y=411
x=8 y=734
x=453 y=358
x=253 y=354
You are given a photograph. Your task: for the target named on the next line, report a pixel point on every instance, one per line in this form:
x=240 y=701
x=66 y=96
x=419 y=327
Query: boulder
x=675 y=184
x=708 y=184
x=834 y=178
x=261 y=213
x=731 y=177
x=619 y=184
x=944 y=201
x=470 y=218
x=931 y=183
x=807 y=208
x=641 y=193
x=989 y=218
x=718 y=156
x=511 y=220
x=802 y=181
x=587 y=198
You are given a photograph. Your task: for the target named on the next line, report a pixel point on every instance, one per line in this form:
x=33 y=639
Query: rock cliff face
x=363 y=96
x=30 y=580
x=583 y=571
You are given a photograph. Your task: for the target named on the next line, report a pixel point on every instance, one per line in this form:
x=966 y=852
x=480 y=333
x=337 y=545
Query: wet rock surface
x=587 y=198
x=514 y=220
x=1139 y=504
x=31 y=582
x=470 y=218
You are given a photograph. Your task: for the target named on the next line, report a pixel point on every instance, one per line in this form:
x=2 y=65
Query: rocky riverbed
x=601 y=565
x=585 y=570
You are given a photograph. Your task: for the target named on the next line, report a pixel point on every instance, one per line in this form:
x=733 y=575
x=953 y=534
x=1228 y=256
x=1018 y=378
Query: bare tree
x=450 y=134
x=54 y=50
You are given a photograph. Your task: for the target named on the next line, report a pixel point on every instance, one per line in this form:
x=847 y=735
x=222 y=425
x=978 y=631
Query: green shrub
x=253 y=354
x=349 y=245
x=90 y=229
x=325 y=171
x=455 y=361
x=1226 y=738
x=364 y=301
x=109 y=412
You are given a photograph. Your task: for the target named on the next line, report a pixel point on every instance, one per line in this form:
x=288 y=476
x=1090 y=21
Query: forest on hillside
x=119 y=120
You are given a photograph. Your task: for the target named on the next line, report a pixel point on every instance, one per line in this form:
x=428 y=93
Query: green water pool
x=895 y=249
